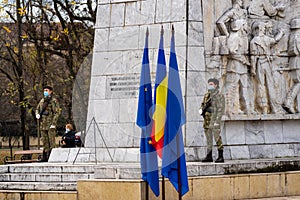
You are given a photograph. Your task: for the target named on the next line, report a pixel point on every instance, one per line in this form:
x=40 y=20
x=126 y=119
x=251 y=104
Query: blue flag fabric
x=173 y=160
x=148 y=156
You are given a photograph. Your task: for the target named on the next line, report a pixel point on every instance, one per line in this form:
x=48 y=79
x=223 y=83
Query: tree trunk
x=22 y=103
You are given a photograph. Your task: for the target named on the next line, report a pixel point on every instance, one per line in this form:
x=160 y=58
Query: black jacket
x=69 y=139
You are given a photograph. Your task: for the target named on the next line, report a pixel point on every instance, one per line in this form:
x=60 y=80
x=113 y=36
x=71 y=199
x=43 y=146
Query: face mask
x=46 y=94
x=67 y=130
x=210 y=87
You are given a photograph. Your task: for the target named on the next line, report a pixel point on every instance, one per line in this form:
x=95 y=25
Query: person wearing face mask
x=212 y=108
x=47 y=113
x=68 y=138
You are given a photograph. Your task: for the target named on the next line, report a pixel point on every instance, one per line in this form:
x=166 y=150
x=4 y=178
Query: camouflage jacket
x=50 y=114
x=215 y=110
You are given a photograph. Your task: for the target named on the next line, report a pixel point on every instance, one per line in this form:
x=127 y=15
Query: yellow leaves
x=54 y=38
x=5 y=1
x=16 y=50
x=6 y=29
x=66 y=31
x=73 y=2
x=22 y=11
x=30 y=110
x=25 y=36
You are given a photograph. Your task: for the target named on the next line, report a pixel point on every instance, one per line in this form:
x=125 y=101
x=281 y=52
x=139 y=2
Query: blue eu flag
x=148 y=156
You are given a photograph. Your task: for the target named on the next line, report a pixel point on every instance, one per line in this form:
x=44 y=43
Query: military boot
x=208 y=157
x=220 y=158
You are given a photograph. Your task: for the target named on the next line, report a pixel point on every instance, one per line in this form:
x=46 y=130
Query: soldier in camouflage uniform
x=212 y=109
x=47 y=113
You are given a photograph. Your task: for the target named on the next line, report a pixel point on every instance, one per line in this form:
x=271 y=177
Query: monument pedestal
x=202 y=53
x=264 y=136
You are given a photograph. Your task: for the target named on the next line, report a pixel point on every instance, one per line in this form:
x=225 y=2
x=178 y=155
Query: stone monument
x=252 y=47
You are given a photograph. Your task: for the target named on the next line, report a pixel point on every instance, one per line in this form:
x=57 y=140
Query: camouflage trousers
x=211 y=133
x=48 y=138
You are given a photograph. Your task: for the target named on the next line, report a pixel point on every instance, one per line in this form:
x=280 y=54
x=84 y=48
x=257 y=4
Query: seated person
x=68 y=138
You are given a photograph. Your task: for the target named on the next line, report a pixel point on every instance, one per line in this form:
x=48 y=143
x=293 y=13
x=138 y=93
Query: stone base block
x=242 y=186
x=94 y=155
x=193 y=154
x=111 y=189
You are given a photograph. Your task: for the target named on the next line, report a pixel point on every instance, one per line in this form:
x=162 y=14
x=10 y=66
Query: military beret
x=214 y=80
x=48 y=87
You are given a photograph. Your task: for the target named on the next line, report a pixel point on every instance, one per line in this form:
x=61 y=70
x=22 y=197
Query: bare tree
x=43 y=42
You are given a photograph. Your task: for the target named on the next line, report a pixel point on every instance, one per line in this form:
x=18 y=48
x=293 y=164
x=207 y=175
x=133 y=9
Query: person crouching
x=68 y=138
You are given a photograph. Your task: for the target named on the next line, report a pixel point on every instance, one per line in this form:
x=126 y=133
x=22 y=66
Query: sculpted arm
x=270 y=9
x=297 y=44
x=279 y=36
x=226 y=17
x=254 y=57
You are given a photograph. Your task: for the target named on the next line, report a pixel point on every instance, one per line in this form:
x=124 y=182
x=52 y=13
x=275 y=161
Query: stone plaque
x=122 y=86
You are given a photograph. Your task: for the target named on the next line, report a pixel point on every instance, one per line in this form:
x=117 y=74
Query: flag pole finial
x=162 y=30
x=173 y=28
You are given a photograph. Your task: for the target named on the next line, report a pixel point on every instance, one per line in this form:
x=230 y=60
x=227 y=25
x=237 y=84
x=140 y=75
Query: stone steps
x=196 y=169
x=64 y=177
x=41 y=177
x=39 y=186
x=44 y=176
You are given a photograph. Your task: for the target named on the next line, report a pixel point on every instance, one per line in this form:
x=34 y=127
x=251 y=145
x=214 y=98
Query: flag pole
x=147 y=184
x=163 y=188
x=147 y=190
x=178 y=153
x=178 y=164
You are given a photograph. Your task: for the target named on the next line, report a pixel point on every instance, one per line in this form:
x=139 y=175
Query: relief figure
x=294 y=65
x=233 y=24
x=235 y=13
x=262 y=68
x=238 y=92
x=265 y=9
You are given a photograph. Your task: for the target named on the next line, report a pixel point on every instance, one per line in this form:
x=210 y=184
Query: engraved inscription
x=122 y=86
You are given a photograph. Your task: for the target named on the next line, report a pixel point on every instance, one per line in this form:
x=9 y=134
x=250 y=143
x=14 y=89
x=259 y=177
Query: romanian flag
x=173 y=160
x=160 y=99
x=148 y=156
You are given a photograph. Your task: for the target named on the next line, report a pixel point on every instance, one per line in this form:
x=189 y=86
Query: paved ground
x=280 y=198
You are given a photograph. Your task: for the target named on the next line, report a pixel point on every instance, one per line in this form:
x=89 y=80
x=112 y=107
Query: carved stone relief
x=294 y=67
x=258 y=49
